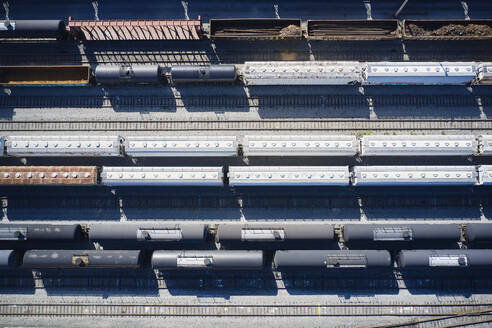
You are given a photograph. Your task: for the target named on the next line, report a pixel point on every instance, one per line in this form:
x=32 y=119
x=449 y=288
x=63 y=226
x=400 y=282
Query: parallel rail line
x=203 y=57
x=252 y=283
x=229 y=102
x=238 y=310
x=460 y=319
x=352 y=125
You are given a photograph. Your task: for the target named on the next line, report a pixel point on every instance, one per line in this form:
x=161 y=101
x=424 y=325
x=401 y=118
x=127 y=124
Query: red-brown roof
x=135 y=29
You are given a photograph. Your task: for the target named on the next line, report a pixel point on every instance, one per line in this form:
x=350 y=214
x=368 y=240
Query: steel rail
x=352 y=125
x=459 y=319
x=124 y=282
x=237 y=310
x=227 y=102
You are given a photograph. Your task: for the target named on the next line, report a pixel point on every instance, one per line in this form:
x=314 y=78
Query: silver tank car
x=121 y=74
x=32 y=29
x=445 y=258
x=401 y=232
x=207 y=260
x=251 y=233
x=52 y=232
x=148 y=232
x=81 y=259
x=211 y=73
x=8 y=258
x=479 y=232
x=331 y=259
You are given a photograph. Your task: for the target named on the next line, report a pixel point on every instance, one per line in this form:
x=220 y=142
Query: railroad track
x=458 y=320
x=260 y=282
x=307 y=125
x=156 y=57
x=240 y=310
x=204 y=57
x=229 y=102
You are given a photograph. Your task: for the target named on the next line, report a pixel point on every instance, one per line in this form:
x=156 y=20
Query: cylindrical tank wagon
x=144 y=233
x=445 y=258
x=40 y=259
x=478 y=232
x=128 y=74
x=8 y=258
x=207 y=260
x=381 y=233
x=210 y=73
x=274 y=235
x=52 y=232
x=331 y=259
x=53 y=28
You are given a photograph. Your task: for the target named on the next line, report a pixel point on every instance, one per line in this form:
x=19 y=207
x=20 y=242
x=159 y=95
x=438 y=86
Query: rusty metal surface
x=353 y=29
x=48 y=175
x=428 y=24
x=92 y=30
x=44 y=75
x=256 y=28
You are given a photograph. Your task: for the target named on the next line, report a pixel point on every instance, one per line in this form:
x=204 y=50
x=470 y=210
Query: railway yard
x=266 y=163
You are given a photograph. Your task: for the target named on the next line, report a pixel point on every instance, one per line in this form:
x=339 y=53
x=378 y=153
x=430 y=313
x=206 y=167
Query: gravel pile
x=452 y=30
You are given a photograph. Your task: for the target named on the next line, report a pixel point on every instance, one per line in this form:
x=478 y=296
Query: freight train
x=244 y=235
x=283 y=260
x=228 y=146
x=249 y=146
x=245 y=29
x=284 y=238
x=281 y=237
x=247 y=176
x=255 y=74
